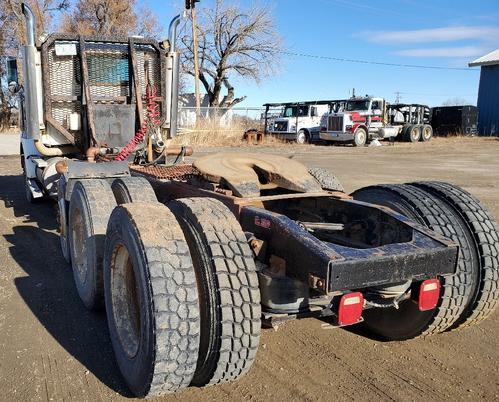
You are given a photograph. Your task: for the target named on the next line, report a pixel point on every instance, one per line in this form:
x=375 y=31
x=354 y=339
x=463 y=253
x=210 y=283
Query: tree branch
x=232 y=42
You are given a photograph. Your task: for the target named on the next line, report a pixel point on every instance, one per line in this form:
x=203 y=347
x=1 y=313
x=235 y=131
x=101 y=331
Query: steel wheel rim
x=361 y=137
x=301 y=138
x=125 y=301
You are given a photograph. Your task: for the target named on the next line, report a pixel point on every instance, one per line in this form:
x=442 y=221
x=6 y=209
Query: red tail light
x=350 y=309
x=429 y=293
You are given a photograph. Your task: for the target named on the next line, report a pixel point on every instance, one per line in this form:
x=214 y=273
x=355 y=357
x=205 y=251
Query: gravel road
x=51 y=348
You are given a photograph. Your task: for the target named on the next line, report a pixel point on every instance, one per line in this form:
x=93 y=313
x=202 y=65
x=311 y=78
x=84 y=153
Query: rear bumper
x=420 y=259
x=329 y=267
x=336 y=136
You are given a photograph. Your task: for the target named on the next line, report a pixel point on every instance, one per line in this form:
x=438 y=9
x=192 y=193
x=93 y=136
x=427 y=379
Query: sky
x=444 y=33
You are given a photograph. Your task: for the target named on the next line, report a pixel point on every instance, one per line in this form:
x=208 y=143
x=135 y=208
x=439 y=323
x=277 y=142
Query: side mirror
x=13 y=87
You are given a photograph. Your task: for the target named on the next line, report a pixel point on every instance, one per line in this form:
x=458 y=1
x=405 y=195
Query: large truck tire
x=228 y=289
x=403 y=135
x=302 y=137
x=90 y=207
x=413 y=133
x=426 y=133
x=151 y=299
x=360 y=137
x=132 y=189
x=456 y=290
x=482 y=229
x=326 y=179
x=62 y=220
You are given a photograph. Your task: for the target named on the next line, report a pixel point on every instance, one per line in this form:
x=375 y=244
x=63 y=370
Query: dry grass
x=14 y=130
x=208 y=134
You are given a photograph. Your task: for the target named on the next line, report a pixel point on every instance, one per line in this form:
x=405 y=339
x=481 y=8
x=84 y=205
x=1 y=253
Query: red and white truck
x=366 y=118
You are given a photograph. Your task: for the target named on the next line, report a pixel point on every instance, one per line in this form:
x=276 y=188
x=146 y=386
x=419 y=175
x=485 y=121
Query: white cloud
x=464 y=51
x=445 y=34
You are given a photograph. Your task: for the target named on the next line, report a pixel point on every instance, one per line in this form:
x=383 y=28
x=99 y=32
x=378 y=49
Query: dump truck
x=190 y=261
x=367 y=118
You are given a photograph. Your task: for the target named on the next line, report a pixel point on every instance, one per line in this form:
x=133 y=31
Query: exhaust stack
x=172 y=79
x=30 y=90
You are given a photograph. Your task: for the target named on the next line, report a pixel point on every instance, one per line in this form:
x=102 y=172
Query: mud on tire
x=132 y=189
x=228 y=286
x=62 y=220
x=427 y=210
x=151 y=299
x=91 y=204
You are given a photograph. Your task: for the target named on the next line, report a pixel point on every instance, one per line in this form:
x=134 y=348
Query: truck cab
x=297 y=120
x=366 y=118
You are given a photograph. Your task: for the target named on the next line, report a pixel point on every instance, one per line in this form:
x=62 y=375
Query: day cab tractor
x=296 y=120
x=191 y=260
x=367 y=118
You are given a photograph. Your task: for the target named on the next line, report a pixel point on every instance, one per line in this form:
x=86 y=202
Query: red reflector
x=350 y=309
x=429 y=293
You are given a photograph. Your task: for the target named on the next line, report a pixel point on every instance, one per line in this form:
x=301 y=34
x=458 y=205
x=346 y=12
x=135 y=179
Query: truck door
x=314 y=116
x=376 y=115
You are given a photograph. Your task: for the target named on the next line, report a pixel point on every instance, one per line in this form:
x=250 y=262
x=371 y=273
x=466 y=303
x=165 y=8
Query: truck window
x=291 y=111
x=108 y=69
x=11 y=71
x=357 y=105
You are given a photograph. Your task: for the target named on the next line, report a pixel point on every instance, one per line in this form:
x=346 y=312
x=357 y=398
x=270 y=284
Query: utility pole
x=397 y=99
x=191 y=4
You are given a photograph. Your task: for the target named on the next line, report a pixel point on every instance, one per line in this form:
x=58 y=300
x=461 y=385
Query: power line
x=379 y=63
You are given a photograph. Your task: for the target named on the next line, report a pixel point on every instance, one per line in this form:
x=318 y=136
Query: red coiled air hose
x=150 y=123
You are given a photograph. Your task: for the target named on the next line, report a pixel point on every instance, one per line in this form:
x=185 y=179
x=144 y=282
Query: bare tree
x=44 y=11
x=232 y=42
x=110 y=18
x=456 y=101
x=12 y=35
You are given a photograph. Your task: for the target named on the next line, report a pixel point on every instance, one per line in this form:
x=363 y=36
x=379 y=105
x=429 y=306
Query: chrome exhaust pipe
x=172 y=33
x=30 y=90
x=174 y=60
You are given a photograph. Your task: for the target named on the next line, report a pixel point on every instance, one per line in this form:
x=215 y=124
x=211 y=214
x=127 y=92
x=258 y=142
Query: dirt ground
x=51 y=348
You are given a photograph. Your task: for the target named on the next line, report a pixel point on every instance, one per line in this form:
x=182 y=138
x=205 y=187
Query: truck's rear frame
x=375 y=248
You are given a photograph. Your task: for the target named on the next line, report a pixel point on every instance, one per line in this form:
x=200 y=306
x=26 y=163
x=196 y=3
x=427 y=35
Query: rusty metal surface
x=64 y=75
x=176 y=172
x=246 y=173
x=342 y=262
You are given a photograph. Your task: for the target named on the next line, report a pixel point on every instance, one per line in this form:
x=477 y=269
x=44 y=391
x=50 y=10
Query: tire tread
x=486 y=237
x=236 y=284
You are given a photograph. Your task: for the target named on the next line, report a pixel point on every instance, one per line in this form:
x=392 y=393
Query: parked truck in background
x=366 y=118
x=296 y=120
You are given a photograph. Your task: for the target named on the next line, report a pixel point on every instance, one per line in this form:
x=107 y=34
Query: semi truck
x=367 y=118
x=190 y=261
x=296 y=120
